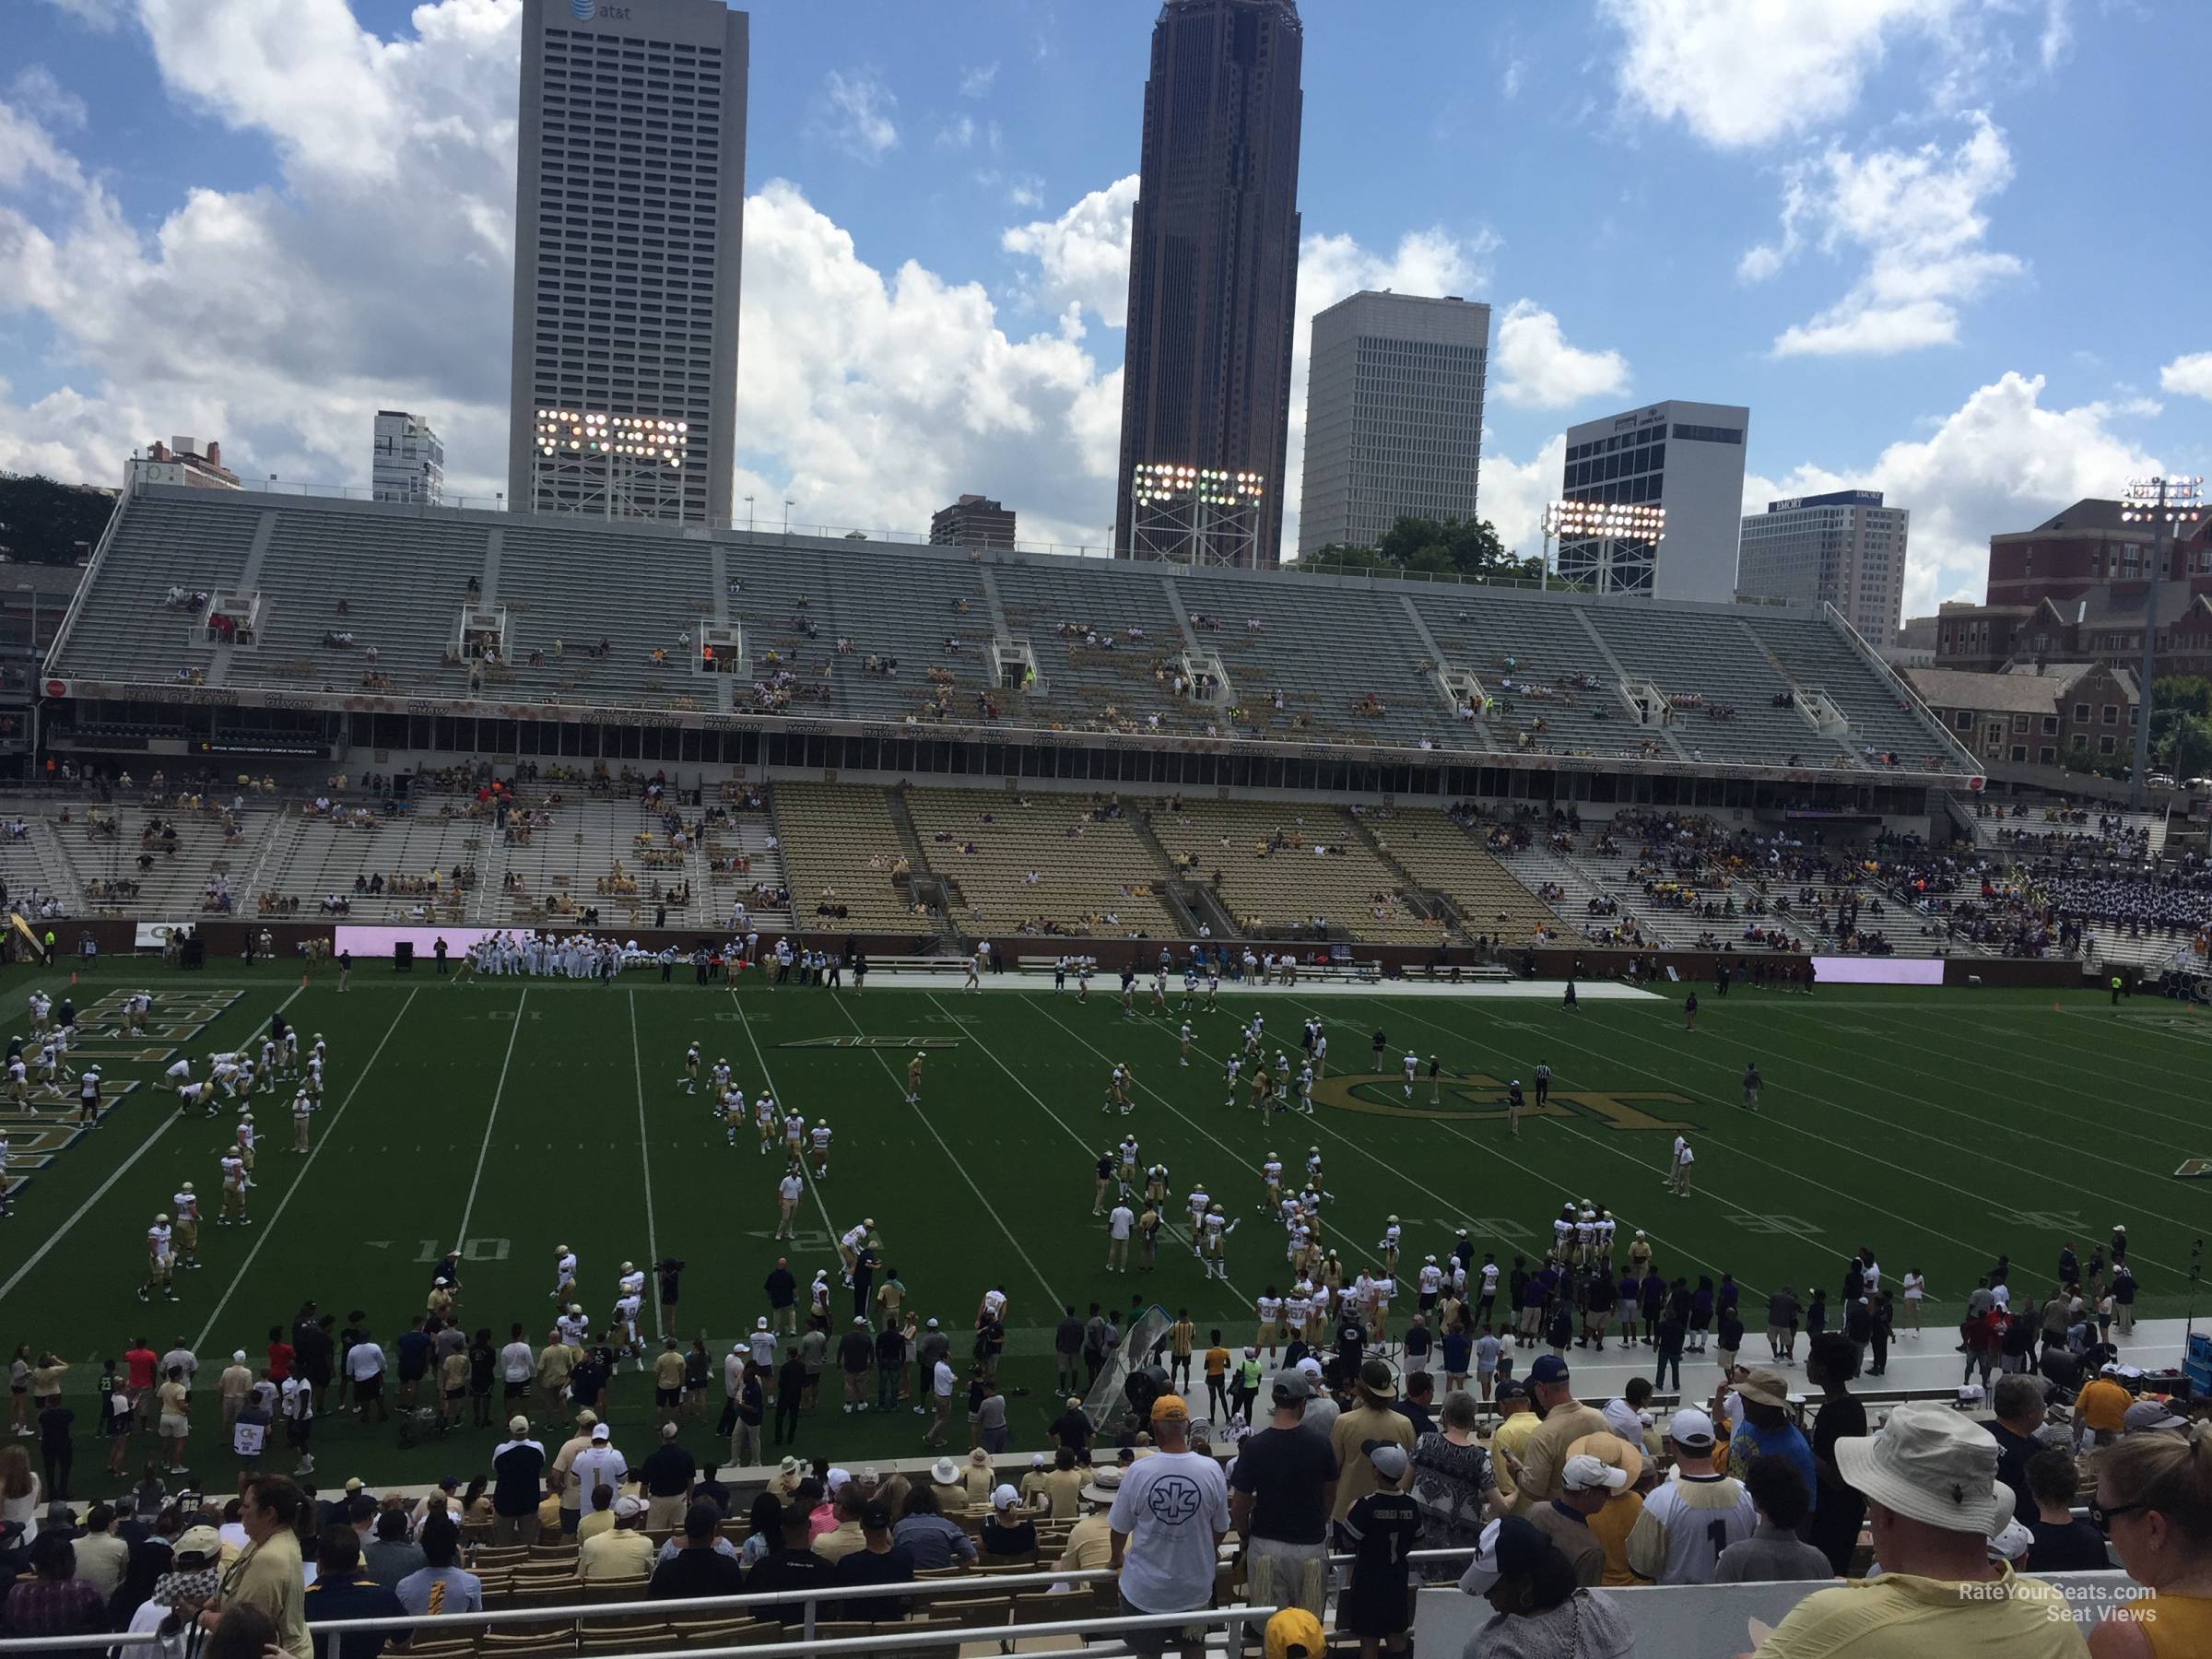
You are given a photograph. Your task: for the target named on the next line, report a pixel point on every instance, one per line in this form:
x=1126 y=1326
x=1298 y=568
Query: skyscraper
x=408 y=463
x=629 y=217
x=1686 y=457
x=1394 y=416
x=1213 y=277
x=973 y=521
x=1844 y=549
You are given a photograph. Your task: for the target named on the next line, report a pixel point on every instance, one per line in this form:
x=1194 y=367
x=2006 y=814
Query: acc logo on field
x=1478 y=1098
x=2194 y=1168
x=1173 y=1500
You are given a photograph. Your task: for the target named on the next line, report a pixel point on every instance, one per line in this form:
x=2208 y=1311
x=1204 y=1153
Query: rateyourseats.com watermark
x=2079 y=1604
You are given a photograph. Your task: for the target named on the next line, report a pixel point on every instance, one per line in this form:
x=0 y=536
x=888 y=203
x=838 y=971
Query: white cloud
x=1538 y=368
x=957 y=134
x=281 y=319
x=2188 y=376
x=1916 y=216
x=855 y=114
x=2058 y=33
x=975 y=81
x=2001 y=461
x=36 y=91
x=1740 y=73
x=1509 y=87
x=1083 y=256
x=1513 y=493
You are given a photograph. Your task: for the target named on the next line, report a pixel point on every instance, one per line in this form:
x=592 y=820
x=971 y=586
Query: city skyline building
x=1394 y=416
x=1685 y=457
x=973 y=521
x=407 y=460
x=1213 y=283
x=1844 y=549
x=629 y=214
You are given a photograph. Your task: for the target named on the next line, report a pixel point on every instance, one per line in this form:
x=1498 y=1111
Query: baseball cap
x=1293 y=1633
x=1311 y=1368
x=2150 y=1413
x=1689 y=1427
x=601 y=1432
x=518 y=1425
x=1388 y=1457
x=1291 y=1389
x=1375 y=1377
x=1548 y=1368
x=1003 y=1497
x=200 y=1543
x=1170 y=1408
x=629 y=1507
x=1584 y=1472
x=839 y=1477
x=1512 y=1391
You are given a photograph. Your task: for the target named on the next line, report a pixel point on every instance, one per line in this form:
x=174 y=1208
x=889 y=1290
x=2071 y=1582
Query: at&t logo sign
x=586 y=10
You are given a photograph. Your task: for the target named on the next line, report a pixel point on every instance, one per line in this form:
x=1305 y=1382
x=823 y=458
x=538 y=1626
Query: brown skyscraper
x=1213 y=268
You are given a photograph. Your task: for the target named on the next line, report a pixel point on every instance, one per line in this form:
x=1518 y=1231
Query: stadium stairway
x=1537 y=863
x=1418 y=897
x=1185 y=898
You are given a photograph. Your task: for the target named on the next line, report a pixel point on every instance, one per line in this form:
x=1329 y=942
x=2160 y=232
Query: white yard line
x=805 y=1173
x=299 y=1181
x=1078 y=1138
x=653 y=1248
x=1013 y=1238
x=115 y=1175
x=469 y=1209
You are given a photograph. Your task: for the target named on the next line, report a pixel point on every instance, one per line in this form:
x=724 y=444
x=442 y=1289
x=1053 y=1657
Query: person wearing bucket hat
x=1372 y=1419
x=1616 y=1517
x=1933 y=1504
x=1766 y=1429
x=1536 y=1606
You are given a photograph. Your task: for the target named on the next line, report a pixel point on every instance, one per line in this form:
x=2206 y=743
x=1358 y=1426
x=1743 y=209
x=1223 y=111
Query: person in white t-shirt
x=1168 y=1518
x=598 y=1465
x=1678 y=1179
x=1119 y=1223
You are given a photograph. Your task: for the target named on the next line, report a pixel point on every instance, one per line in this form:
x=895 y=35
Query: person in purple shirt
x=1654 y=1298
x=1629 y=1292
x=1701 y=1313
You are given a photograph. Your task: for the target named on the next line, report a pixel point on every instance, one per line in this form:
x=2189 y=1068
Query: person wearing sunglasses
x=2154 y=1501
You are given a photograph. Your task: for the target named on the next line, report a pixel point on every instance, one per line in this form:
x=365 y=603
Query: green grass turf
x=1940 y=1127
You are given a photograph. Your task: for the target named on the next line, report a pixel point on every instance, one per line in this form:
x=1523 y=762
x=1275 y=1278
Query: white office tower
x=1843 y=548
x=629 y=214
x=1394 y=416
x=410 y=461
x=1685 y=457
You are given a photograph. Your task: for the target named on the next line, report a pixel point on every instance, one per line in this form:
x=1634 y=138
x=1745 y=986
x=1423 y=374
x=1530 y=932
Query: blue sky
x=1921 y=239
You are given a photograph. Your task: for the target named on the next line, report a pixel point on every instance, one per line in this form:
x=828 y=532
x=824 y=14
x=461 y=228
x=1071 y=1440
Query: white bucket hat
x=1930 y=1463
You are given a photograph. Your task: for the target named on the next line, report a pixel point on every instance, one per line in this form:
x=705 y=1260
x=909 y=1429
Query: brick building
x=2048 y=714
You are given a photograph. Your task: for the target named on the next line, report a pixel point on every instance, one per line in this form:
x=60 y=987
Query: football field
x=512 y=1115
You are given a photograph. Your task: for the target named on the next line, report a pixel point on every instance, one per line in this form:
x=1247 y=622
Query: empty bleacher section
x=184 y=857
x=590 y=615
x=1045 y=863
x=1292 y=870
x=846 y=861
x=369 y=865
x=1442 y=856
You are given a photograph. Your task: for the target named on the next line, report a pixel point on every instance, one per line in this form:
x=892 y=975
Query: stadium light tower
x=2164 y=504
x=1196 y=515
x=1607 y=524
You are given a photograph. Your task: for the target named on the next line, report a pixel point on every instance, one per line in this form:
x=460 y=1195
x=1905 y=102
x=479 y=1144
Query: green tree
x=1464 y=547
x=41 y=522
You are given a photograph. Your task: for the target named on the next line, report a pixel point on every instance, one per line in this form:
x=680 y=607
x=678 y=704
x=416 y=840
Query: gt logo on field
x=2194 y=1168
x=1480 y=1099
